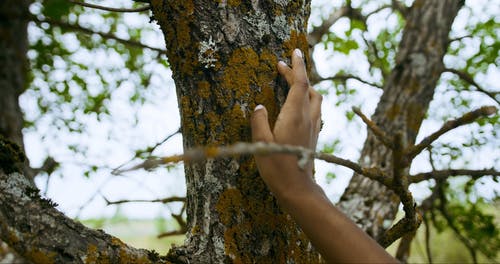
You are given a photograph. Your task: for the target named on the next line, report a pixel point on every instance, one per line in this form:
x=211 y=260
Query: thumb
x=260 y=125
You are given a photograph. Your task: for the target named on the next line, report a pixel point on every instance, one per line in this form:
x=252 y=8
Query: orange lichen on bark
x=234 y=2
x=297 y=40
x=249 y=209
x=176 y=26
x=40 y=256
x=204 y=89
x=92 y=255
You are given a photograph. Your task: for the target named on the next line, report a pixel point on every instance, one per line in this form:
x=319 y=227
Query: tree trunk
x=404 y=103
x=13 y=66
x=13 y=80
x=223 y=56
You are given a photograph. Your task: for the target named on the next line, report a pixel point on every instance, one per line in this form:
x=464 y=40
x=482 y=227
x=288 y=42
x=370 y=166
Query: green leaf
x=56 y=9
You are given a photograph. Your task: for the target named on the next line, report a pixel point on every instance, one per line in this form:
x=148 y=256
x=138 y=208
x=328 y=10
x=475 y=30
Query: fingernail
x=298 y=52
x=258 y=107
x=282 y=63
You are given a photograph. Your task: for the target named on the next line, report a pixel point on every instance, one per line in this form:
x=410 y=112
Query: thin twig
x=345 y=77
x=76 y=27
x=373 y=47
x=163 y=200
x=319 y=31
x=459 y=38
x=449 y=220
x=470 y=80
x=150 y=149
x=427 y=240
x=164 y=140
x=449 y=125
x=377 y=131
x=444 y=174
x=259 y=148
x=112 y=9
x=172 y=233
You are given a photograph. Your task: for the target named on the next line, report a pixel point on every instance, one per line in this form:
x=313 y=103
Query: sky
x=111 y=141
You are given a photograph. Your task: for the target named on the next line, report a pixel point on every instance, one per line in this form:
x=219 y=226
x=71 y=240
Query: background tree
x=221 y=73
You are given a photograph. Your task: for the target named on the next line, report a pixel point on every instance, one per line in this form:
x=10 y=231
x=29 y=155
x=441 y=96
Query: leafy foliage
x=79 y=65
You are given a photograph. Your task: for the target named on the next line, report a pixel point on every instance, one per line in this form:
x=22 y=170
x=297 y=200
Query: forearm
x=335 y=236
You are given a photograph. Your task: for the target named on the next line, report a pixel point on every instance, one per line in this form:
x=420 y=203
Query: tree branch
x=444 y=174
x=377 y=131
x=36 y=230
x=394 y=233
x=449 y=220
x=314 y=37
x=449 y=125
x=427 y=240
x=172 y=233
x=468 y=79
x=163 y=200
x=259 y=148
x=112 y=9
x=76 y=27
x=350 y=76
x=400 y=7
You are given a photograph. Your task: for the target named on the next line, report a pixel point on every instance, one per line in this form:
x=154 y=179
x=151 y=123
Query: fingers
x=297 y=79
x=286 y=72
x=297 y=74
x=315 y=104
x=299 y=69
x=260 y=125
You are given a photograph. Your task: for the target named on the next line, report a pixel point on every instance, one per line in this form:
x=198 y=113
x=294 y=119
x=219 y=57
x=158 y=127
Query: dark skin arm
x=334 y=235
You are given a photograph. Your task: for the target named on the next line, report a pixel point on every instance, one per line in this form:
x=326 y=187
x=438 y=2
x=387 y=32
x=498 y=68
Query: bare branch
x=449 y=125
x=259 y=148
x=377 y=131
x=150 y=149
x=404 y=226
x=459 y=38
x=371 y=45
x=449 y=220
x=76 y=27
x=400 y=7
x=318 y=32
x=345 y=77
x=444 y=174
x=427 y=239
x=164 y=140
x=468 y=79
x=172 y=233
x=403 y=251
x=112 y=9
x=163 y=200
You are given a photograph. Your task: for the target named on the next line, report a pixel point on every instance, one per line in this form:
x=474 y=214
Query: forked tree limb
x=449 y=125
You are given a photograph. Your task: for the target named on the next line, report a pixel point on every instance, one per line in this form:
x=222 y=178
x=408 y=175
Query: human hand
x=298 y=124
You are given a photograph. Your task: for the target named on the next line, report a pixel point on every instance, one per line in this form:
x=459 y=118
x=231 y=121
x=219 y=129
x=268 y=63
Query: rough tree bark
x=223 y=56
x=404 y=103
x=13 y=75
x=13 y=66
